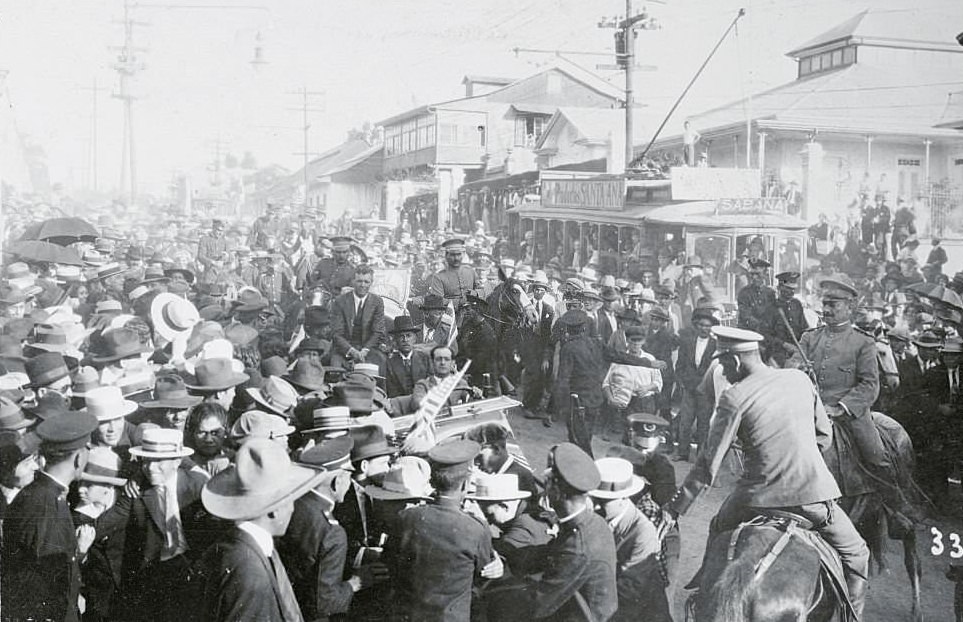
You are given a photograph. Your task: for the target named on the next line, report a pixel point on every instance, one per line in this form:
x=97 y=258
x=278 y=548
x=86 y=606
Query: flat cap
x=735 y=340
x=67 y=431
x=574 y=467
x=634 y=332
x=453 y=454
x=330 y=454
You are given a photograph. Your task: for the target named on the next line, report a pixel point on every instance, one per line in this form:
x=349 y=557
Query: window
x=817 y=63
x=908 y=162
x=805 y=66
x=849 y=55
x=447 y=134
x=837 y=58
x=528 y=129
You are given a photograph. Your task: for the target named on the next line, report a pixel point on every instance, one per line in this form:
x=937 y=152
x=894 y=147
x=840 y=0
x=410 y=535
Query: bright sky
x=373 y=59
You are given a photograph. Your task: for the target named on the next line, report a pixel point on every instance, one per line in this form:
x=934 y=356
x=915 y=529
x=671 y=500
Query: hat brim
x=638 y=484
x=376 y=492
x=303 y=384
x=22 y=424
x=179 y=402
x=237 y=379
x=102 y=479
x=129 y=408
x=169 y=455
x=373 y=453
x=222 y=498
x=521 y=494
x=249 y=307
x=116 y=357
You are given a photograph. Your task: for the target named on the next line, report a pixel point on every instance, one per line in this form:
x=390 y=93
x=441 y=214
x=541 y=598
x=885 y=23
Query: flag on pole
x=423 y=424
x=449 y=319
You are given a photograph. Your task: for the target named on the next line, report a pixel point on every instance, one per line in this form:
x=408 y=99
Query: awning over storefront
x=497 y=183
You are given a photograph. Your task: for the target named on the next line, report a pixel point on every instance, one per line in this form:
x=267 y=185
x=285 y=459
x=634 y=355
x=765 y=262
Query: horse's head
x=512 y=302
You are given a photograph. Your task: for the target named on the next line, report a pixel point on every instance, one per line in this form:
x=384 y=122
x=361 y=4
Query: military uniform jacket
x=782 y=427
x=581 y=559
x=779 y=335
x=331 y=275
x=40 y=565
x=453 y=284
x=314 y=550
x=755 y=305
x=844 y=362
x=435 y=558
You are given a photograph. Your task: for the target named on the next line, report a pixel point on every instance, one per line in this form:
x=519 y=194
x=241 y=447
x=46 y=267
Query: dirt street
x=889 y=594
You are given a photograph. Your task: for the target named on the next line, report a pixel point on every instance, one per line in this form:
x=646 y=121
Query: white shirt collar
x=573 y=515
x=261 y=536
x=358 y=301
x=9 y=493
x=59 y=483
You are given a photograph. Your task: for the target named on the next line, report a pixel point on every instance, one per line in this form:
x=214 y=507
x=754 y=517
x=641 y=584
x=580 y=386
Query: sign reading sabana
x=606 y=194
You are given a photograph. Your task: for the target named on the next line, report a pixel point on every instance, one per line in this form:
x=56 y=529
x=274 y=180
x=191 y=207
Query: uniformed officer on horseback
x=780 y=421
x=785 y=328
x=842 y=361
x=334 y=273
x=455 y=281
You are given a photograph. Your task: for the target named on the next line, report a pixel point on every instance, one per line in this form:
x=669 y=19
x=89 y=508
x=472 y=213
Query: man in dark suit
x=243 y=577
x=358 y=322
x=476 y=341
x=662 y=342
x=405 y=365
x=164 y=529
x=696 y=348
x=41 y=552
x=540 y=348
x=606 y=318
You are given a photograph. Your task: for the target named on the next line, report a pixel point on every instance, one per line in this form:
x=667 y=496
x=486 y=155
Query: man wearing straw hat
x=243 y=575
x=157 y=550
x=637 y=546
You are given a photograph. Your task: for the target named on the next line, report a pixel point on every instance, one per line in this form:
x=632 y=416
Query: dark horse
x=512 y=316
x=863 y=502
x=767 y=573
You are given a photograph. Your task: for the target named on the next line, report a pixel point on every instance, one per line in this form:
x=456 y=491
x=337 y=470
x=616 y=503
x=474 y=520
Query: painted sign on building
x=759 y=205
x=708 y=184
x=607 y=194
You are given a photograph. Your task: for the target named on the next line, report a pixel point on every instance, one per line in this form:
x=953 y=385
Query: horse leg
x=911 y=560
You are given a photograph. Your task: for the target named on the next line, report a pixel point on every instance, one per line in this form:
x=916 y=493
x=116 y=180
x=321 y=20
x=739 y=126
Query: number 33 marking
x=956 y=549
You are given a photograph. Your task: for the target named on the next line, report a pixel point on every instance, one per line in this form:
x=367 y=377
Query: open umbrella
x=62 y=231
x=44 y=252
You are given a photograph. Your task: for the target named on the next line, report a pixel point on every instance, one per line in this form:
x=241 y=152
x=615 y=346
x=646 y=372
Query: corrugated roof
x=893 y=99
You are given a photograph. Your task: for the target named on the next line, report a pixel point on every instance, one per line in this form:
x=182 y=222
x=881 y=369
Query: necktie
x=173 y=538
x=289 y=604
x=407 y=364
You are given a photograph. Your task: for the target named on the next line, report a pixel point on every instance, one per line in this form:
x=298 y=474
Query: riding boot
x=856 y=586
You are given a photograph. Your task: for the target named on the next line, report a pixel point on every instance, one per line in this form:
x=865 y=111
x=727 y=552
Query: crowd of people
x=215 y=433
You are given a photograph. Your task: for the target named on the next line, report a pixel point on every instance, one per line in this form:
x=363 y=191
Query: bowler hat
x=261 y=479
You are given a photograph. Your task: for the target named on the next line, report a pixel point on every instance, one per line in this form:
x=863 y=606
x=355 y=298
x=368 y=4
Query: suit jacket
x=581 y=559
x=687 y=373
x=435 y=558
x=844 y=361
x=603 y=325
x=782 y=426
x=40 y=564
x=342 y=322
x=401 y=381
x=314 y=550
x=239 y=583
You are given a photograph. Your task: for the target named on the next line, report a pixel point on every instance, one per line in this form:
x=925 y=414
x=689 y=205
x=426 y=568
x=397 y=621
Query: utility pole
x=308 y=105
x=625 y=59
x=127 y=66
x=93 y=170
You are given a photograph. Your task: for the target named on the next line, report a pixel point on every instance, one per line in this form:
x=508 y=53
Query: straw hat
x=618 y=479
x=161 y=444
x=261 y=479
x=330 y=419
x=173 y=316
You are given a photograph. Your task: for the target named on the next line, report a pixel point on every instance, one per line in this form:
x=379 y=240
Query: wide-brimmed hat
x=108 y=403
x=618 y=479
x=433 y=301
x=407 y=478
x=498 y=487
x=307 y=375
x=261 y=479
x=171 y=392
x=173 y=316
x=276 y=395
x=356 y=391
x=11 y=295
x=215 y=374
x=47 y=368
x=259 y=424
x=249 y=300
x=12 y=416
x=403 y=324
x=240 y=335
x=609 y=294
x=161 y=444
x=51 y=338
x=119 y=343
x=108 y=270
x=201 y=333
x=103 y=467
x=186 y=273
x=370 y=442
